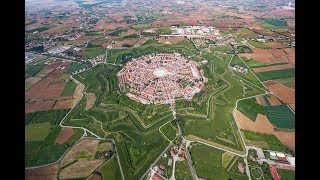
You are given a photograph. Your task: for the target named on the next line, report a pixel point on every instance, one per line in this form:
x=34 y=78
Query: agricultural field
x=276 y=74
x=281 y=116
x=265 y=141
x=286 y=174
x=250 y=108
x=224 y=49
x=205 y=157
x=69 y=88
x=110 y=170
x=75 y=67
x=259 y=45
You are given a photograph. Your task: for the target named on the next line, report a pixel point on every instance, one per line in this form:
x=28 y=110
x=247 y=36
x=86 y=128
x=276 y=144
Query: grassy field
x=182 y=170
x=52 y=116
x=69 y=88
x=286 y=174
x=75 y=67
x=289 y=82
x=92 y=52
x=277 y=74
x=281 y=116
x=259 y=45
x=221 y=49
x=50 y=153
x=169 y=131
x=204 y=158
x=110 y=170
x=250 y=108
x=265 y=141
x=165 y=30
x=37 y=132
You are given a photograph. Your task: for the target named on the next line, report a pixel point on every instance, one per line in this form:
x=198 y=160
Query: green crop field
x=276 y=22
x=265 y=141
x=110 y=170
x=286 y=174
x=277 y=74
x=75 y=67
x=32 y=71
x=37 y=132
x=259 y=45
x=182 y=170
x=250 y=108
x=169 y=131
x=69 y=88
x=281 y=116
x=245 y=32
x=50 y=154
x=290 y=82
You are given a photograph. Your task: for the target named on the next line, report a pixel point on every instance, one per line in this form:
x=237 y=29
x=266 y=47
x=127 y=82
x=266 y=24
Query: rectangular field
x=39 y=106
x=250 y=108
x=37 y=132
x=69 y=88
x=276 y=74
x=281 y=116
x=273 y=68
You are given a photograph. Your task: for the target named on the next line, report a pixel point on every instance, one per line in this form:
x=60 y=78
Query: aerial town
x=160 y=78
x=160 y=89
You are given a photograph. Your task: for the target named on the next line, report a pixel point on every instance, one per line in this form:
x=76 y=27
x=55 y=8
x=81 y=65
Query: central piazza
x=159 y=78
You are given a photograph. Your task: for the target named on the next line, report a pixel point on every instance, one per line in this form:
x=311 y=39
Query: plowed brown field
x=64 y=104
x=286 y=94
x=48 y=173
x=39 y=106
x=272 y=68
x=64 y=135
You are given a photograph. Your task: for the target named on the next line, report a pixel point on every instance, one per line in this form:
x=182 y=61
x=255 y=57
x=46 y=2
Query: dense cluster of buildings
x=194 y=30
x=239 y=69
x=159 y=78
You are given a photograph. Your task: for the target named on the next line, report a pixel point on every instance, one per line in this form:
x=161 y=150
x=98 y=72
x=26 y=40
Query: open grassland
x=224 y=49
x=206 y=157
x=250 y=108
x=69 y=88
x=52 y=116
x=110 y=170
x=276 y=74
x=92 y=52
x=75 y=67
x=169 y=131
x=182 y=170
x=37 y=132
x=281 y=116
x=286 y=174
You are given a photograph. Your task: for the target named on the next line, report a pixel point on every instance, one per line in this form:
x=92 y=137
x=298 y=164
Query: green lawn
x=250 y=108
x=286 y=174
x=169 y=131
x=281 y=116
x=277 y=74
x=110 y=170
x=37 y=132
x=69 y=88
